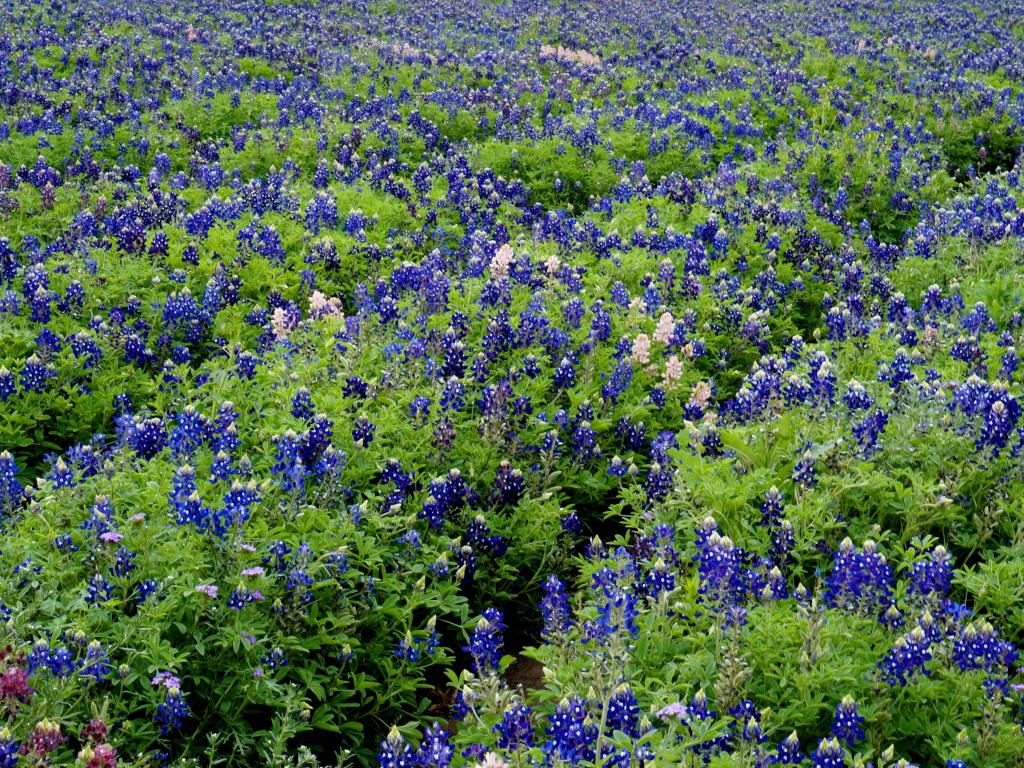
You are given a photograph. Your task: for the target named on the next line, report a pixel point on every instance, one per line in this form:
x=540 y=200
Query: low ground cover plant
x=511 y=383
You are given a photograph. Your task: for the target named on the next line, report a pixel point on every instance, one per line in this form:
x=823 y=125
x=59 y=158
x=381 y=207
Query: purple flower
x=673 y=710
x=167 y=680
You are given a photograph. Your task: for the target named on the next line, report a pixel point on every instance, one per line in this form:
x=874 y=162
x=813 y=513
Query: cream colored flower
x=701 y=395
x=321 y=306
x=492 y=760
x=641 y=349
x=501 y=261
x=279 y=322
x=666 y=327
x=673 y=369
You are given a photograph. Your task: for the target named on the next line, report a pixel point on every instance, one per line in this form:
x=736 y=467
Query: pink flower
x=321 y=306
x=280 y=324
x=100 y=756
x=14 y=687
x=641 y=349
x=210 y=590
x=673 y=369
x=138 y=517
x=257 y=571
x=112 y=536
x=666 y=327
x=701 y=395
x=501 y=262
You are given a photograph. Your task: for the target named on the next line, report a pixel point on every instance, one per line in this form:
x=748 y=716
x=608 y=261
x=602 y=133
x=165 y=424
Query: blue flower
x=395 y=753
x=486 y=643
x=515 y=730
x=847 y=725
x=555 y=609
x=171 y=713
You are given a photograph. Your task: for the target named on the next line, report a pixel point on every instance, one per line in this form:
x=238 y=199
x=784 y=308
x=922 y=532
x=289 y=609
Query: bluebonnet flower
x=860 y=580
x=99 y=590
x=245 y=364
x=979 y=647
x=720 y=566
x=435 y=750
x=617 y=608
x=302 y=404
x=509 y=484
x=221 y=468
x=829 y=754
x=288 y=462
x=623 y=712
x=788 y=752
x=659 y=483
x=515 y=730
x=35 y=374
x=486 y=643
x=7 y=385
x=95 y=664
x=274 y=659
x=555 y=609
x=771 y=509
x=803 y=471
x=238 y=503
x=847 y=725
x=906 y=658
x=571 y=524
x=395 y=752
x=123 y=562
x=659 y=580
x=240 y=597
x=868 y=431
x=363 y=431
x=571 y=732
x=419 y=408
x=147 y=589
x=59 y=662
x=10 y=750
x=10 y=489
x=147 y=437
x=617 y=467
x=564 y=375
x=932 y=575
x=407 y=649
x=171 y=713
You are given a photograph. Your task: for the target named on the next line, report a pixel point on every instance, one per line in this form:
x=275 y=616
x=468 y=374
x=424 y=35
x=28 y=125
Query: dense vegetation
x=511 y=383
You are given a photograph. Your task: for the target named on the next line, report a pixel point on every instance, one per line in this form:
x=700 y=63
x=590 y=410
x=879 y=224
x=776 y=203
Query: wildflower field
x=507 y=383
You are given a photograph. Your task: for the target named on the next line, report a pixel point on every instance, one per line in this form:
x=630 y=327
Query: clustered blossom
x=581 y=56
